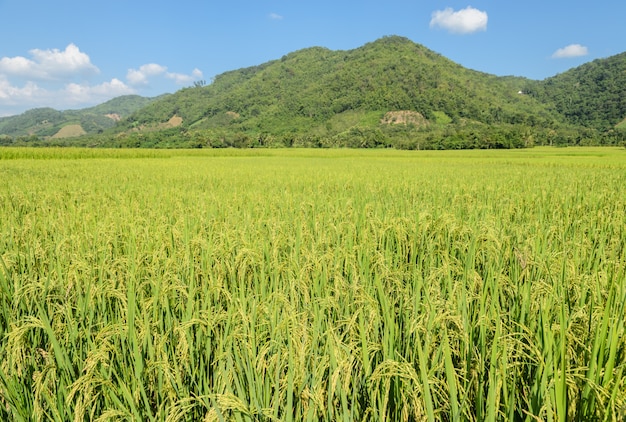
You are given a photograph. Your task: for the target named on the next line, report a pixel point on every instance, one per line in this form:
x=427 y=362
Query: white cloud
x=83 y=93
x=16 y=65
x=182 y=79
x=464 y=21
x=63 y=79
x=14 y=98
x=52 y=64
x=275 y=16
x=572 y=50
x=140 y=76
x=14 y=95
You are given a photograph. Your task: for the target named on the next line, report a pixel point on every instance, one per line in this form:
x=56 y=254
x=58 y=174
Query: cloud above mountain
x=69 y=95
x=184 y=79
x=51 y=64
x=143 y=75
x=67 y=78
x=572 y=50
x=464 y=21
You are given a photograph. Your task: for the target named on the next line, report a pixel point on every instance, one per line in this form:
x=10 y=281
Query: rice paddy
x=308 y=285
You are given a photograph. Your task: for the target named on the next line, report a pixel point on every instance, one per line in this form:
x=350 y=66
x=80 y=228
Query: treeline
x=409 y=137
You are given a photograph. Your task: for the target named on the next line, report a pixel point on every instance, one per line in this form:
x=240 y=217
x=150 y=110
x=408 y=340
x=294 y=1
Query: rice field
x=308 y=285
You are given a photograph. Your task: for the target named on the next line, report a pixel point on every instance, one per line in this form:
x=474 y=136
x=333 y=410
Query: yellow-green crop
x=304 y=285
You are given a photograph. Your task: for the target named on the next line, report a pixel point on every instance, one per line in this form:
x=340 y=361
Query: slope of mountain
x=591 y=95
x=47 y=122
x=310 y=89
x=390 y=92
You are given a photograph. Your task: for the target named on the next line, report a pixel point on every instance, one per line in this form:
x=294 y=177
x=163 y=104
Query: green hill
x=390 y=92
x=318 y=95
x=47 y=122
x=592 y=95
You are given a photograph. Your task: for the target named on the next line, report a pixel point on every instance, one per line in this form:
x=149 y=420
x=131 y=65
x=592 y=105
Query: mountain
x=390 y=92
x=592 y=95
x=335 y=98
x=47 y=122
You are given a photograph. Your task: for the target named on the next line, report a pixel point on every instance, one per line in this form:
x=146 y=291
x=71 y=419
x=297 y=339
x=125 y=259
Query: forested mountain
x=591 y=95
x=318 y=96
x=316 y=84
x=44 y=122
x=390 y=92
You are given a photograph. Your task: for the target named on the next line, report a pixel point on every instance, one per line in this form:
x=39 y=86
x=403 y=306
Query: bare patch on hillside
x=174 y=121
x=114 y=116
x=232 y=115
x=404 y=117
x=69 y=131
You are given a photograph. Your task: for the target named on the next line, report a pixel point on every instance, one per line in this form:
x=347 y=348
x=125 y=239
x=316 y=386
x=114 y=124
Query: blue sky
x=71 y=54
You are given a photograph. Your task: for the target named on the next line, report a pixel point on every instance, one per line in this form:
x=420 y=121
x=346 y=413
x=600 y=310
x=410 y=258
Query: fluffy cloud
x=31 y=95
x=83 y=93
x=51 y=64
x=13 y=95
x=182 y=79
x=64 y=79
x=142 y=75
x=464 y=21
x=572 y=50
x=16 y=65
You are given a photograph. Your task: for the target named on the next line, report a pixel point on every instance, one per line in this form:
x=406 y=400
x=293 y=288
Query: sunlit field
x=311 y=285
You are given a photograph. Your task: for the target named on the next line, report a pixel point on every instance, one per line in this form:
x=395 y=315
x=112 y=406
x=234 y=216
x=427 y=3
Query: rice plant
x=305 y=285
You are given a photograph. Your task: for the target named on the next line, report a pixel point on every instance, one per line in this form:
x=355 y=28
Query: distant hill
x=47 y=122
x=388 y=93
x=592 y=95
